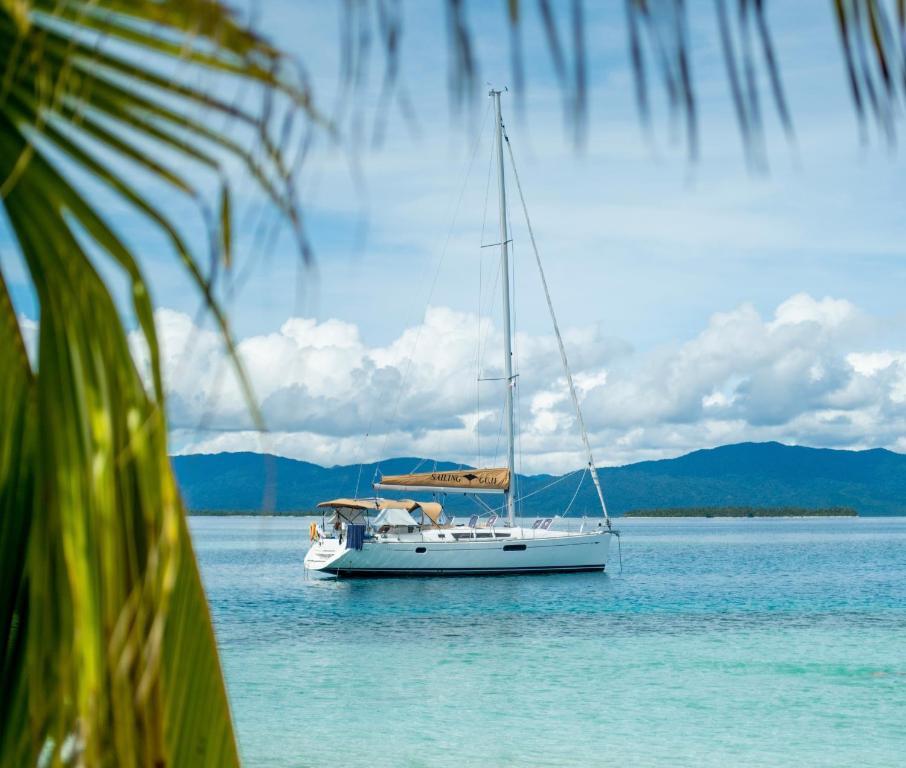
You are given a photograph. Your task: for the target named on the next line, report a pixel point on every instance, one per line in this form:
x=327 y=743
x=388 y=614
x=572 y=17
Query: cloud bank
x=809 y=374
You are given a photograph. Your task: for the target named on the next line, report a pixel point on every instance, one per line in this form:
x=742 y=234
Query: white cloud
x=804 y=375
x=802 y=308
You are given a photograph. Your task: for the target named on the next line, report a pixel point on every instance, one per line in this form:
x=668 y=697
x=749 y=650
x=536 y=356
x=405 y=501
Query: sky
x=702 y=304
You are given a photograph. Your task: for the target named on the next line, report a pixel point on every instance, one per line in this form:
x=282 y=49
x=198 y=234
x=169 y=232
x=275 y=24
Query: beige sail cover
x=461 y=479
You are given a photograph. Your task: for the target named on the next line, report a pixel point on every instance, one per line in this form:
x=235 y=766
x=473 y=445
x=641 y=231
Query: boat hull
x=551 y=553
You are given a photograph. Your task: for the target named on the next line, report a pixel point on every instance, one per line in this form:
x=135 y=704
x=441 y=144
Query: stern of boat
x=323 y=554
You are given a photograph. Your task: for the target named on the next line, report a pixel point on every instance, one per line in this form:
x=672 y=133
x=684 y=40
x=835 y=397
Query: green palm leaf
x=108 y=652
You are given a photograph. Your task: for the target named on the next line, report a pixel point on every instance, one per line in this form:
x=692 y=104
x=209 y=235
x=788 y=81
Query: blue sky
x=705 y=304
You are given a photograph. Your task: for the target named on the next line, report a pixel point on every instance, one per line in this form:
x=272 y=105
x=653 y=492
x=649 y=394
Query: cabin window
x=513 y=547
x=441 y=535
x=421 y=550
x=483 y=535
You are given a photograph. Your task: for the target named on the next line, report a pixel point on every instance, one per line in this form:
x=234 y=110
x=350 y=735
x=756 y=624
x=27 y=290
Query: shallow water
x=756 y=642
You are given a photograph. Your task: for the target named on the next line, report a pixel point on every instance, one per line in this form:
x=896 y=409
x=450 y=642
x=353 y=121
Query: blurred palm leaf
x=108 y=653
x=660 y=43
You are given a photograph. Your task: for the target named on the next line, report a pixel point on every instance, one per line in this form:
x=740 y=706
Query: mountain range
x=746 y=474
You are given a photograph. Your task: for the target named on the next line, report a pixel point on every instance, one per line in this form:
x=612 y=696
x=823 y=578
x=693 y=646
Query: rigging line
x=491 y=165
x=361 y=455
x=551 y=484
x=478 y=368
x=559 y=480
x=484 y=218
x=499 y=433
x=417 y=466
x=487 y=189
x=517 y=391
x=483 y=345
x=440 y=262
x=358 y=479
x=483 y=342
x=573 y=499
x=550 y=306
x=478 y=407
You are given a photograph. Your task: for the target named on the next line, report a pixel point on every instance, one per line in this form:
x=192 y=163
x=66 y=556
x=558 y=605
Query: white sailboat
x=401 y=537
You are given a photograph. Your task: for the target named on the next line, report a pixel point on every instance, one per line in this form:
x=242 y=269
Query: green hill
x=872 y=482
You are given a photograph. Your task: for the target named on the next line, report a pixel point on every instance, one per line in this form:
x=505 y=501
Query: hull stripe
x=395 y=572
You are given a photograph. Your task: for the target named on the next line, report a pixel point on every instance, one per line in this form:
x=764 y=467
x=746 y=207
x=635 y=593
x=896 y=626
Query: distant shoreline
x=709 y=512
x=250 y=513
x=671 y=512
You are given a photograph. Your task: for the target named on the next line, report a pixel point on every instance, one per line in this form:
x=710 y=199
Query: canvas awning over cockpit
x=431 y=509
x=362 y=504
x=459 y=480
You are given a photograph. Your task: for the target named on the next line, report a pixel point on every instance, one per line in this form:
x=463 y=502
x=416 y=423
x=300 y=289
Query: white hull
x=436 y=553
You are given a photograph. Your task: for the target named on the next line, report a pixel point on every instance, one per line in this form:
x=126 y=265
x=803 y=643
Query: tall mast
x=510 y=382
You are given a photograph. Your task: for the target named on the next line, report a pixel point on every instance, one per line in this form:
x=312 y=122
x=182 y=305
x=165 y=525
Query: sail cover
x=462 y=480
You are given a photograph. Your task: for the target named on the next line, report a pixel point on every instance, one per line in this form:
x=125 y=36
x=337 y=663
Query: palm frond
x=17 y=489
x=872 y=35
x=108 y=648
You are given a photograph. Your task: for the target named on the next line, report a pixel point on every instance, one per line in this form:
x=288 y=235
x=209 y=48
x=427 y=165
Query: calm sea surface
x=722 y=643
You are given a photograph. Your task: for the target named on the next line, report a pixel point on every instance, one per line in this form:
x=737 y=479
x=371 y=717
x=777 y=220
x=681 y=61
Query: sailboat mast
x=510 y=382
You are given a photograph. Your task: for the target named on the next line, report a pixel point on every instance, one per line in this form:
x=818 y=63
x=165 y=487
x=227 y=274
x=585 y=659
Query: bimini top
x=431 y=509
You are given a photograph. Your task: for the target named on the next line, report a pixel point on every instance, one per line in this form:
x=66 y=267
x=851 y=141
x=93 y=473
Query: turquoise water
x=740 y=643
